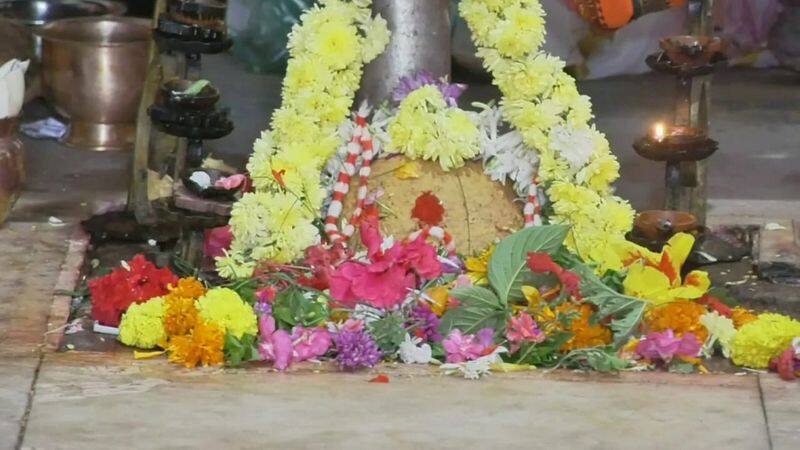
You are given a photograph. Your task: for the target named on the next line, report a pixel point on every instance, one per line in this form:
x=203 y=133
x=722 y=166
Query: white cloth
x=12 y=87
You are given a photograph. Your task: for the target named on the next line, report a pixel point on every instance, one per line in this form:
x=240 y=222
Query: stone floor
x=85 y=400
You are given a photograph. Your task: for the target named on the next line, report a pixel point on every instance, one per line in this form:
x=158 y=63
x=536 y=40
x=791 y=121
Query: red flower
x=543 y=263
x=428 y=209
x=716 y=305
x=114 y=293
x=784 y=364
x=278 y=174
x=322 y=261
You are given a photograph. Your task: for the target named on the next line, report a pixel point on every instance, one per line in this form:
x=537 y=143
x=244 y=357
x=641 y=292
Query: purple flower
x=356 y=349
x=427 y=323
x=409 y=84
x=663 y=346
x=262 y=308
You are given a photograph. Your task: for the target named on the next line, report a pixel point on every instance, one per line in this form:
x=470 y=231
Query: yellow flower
x=180 y=315
x=223 y=307
x=441 y=299
x=189 y=287
x=335 y=44
x=203 y=346
x=478 y=267
x=657 y=277
x=681 y=317
x=142 y=325
x=757 y=342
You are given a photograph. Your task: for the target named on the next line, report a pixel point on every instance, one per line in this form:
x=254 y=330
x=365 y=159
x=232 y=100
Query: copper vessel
x=93 y=71
x=12 y=166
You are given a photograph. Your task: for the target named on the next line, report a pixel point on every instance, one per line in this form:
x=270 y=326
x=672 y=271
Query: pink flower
x=466 y=347
x=217 y=240
x=231 y=182
x=421 y=258
x=353 y=326
x=276 y=345
x=309 y=343
x=523 y=328
x=463 y=281
x=663 y=346
x=283 y=349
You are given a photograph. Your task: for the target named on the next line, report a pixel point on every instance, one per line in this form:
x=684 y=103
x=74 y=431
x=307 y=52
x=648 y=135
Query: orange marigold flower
x=203 y=346
x=180 y=315
x=680 y=317
x=742 y=317
x=188 y=287
x=584 y=335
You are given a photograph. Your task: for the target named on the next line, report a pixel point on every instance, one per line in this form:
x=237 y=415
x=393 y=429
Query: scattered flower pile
x=571 y=293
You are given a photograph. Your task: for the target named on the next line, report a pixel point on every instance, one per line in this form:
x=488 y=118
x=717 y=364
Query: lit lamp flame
x=658 y=132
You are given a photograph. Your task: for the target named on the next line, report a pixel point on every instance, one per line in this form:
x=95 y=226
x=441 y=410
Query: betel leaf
x=295 y=306
x=239 y=350
x=480 y=308
x=624 y=311
x=508 y=267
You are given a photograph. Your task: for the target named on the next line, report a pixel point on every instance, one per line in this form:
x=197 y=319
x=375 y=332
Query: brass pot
x=12 y=166
x=93 y=71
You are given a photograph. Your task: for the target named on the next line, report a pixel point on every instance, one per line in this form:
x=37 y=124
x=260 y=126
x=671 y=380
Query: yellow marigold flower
x=759 y=341
x=223 y=307
x=584 y=335
x=203 y=346
x=681 y=317
x=180 y=315
x=478 y=267
x=142 y=325
x=189 y=287
x=742 y=316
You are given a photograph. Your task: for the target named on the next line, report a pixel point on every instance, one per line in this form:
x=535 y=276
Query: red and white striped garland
x=533 y=210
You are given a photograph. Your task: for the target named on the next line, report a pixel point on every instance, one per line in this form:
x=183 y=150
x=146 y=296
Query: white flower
x=410 y=353
x=472 y=370
x=573 y=144
x=721 y=330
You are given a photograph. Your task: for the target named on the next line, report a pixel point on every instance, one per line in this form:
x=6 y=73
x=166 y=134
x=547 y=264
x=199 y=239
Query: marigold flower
x=224 y=308
x=759 y=341
x=584 y=335
x=189 y=287
x=742 y=316
x=204 y=345
x=681 y=317
x=180 y=315
x=142 y=325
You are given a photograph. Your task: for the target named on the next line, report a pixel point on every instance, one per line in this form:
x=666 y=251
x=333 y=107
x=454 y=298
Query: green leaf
x=480 y=308
x=544 y=354
x=239 y=350
x=295 y=306
x=246 y=290
x=601 y=359
x=625 y=312
x=681 y=367
x=508 y=267
x=389 y=332
x=195 y=88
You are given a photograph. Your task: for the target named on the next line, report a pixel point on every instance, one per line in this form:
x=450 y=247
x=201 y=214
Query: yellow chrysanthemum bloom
x=142 y=325
x=203 y=346
x=763 y=339
x=425 y=127
x=223 y=307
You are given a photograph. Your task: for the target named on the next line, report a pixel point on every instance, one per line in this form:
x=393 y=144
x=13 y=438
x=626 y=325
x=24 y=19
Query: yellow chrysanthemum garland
x=327 y=53
x=426 y=128
x=543 y=104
